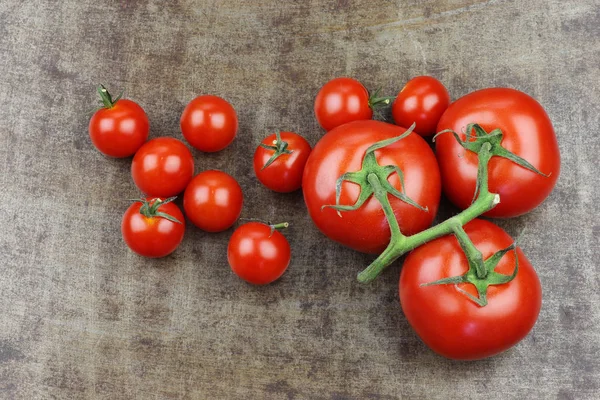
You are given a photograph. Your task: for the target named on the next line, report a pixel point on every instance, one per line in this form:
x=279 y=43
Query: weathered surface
x=81 y=317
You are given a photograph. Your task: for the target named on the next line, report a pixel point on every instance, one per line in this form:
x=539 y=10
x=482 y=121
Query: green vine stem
x=107 y=100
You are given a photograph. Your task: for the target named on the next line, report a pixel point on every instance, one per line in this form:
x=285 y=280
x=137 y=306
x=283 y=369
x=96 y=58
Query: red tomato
x=258 y=254
x=120 y=128
x=284 y=172
x=209 y=123
x=423 y=101
x=162 y=167
x=213 y=201
x=527 y=132
x=153 y=233
x=448 y=321
x=342 y=100
x=342 y=150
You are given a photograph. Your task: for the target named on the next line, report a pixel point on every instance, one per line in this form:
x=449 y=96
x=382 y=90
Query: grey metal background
x=81 y=317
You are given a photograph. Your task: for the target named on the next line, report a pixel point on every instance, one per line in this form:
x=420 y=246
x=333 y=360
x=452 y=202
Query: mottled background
x=81 y=317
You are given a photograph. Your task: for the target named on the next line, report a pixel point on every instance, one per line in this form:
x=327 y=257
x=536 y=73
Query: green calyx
x=106 y=99
x=279 y=147
x=481 y=273
x=480 y=138
x=149 y=209
x=373 y=180
x=375 y=101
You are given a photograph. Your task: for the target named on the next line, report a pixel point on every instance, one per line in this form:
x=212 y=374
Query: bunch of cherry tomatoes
x=465 y=287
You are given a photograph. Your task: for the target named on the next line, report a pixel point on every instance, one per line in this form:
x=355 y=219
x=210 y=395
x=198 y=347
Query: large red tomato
x=527 y=132
x=162 y=167
x=342 y=150
x=448 y=321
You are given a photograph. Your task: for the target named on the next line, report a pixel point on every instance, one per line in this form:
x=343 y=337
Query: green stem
x=474 y=256
x=399 y=246
x=281 y=225
x=382 y=196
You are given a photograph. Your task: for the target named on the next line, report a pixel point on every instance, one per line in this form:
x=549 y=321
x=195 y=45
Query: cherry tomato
x=153 y=228
x=342 y=150
x=423 y=101
x=162 y=167
x=527 y=132
x=213 y=201
x=120 y=128
x=448 y=321
x=342 y=100
x=258 y=253
x=279 y=162
x=209 y=123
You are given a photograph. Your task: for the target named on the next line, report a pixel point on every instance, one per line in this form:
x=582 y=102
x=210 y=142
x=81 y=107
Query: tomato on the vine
x=342 y=151
x=120 y=127
x=162 y=167
x=279 y=161
x=423 y=100
x=153 y=228
x=209 y=123
x=443 y=315
x=258 y=253
x=526 y=132
x=213 y=201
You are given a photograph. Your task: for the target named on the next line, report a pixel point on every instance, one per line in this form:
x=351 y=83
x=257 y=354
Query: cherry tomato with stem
x=258 y=253
x=422 y=101
x=120 y=127
x=279 y=161
x=162 y=167
x=213 y=201
x=153 y=228
x=209 y=123
x=343 y=100
x=470 y=296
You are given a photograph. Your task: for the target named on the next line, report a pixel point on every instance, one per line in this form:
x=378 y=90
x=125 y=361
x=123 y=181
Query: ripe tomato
x=258 y=253
x=209 y=123
x=527 y=132
x=448 y=321
x=423 y=100
x=342 y=150
x=119 y=128
x=279 y=162
x=213 y=201
x=162 y=167
x=153 y=228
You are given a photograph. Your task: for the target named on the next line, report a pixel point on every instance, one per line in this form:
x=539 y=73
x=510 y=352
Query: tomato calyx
x=481 y=273
x=149 y=208
x=376 y=103
x=106 y=99
x=475 y=142
x=279 y=147
x=373 y=180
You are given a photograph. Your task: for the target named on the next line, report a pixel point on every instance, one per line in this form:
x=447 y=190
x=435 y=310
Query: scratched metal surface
x=81 y=317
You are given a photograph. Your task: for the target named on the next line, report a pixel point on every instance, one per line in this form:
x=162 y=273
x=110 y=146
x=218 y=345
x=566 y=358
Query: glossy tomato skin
x=341 y=150
x=527 y=132
x=213 y=201
x=284 y=175
x=121 y=130
x=258 y=255
x=342 y=100
x=423 y=100
x=152 y=237
x=209 y=123
x=162 y=167
x=450 y=323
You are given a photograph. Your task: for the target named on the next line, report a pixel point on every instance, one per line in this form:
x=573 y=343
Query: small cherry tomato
x=343 y=100
x=213 y=201
x=209 y=123
x=423 y=100
x=258 y=253
x=120 y=128
x=162 y=167
x=279 y=161
x=153 y=228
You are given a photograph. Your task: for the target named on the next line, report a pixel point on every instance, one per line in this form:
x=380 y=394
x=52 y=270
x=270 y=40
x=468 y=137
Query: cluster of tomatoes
x=465 y=287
